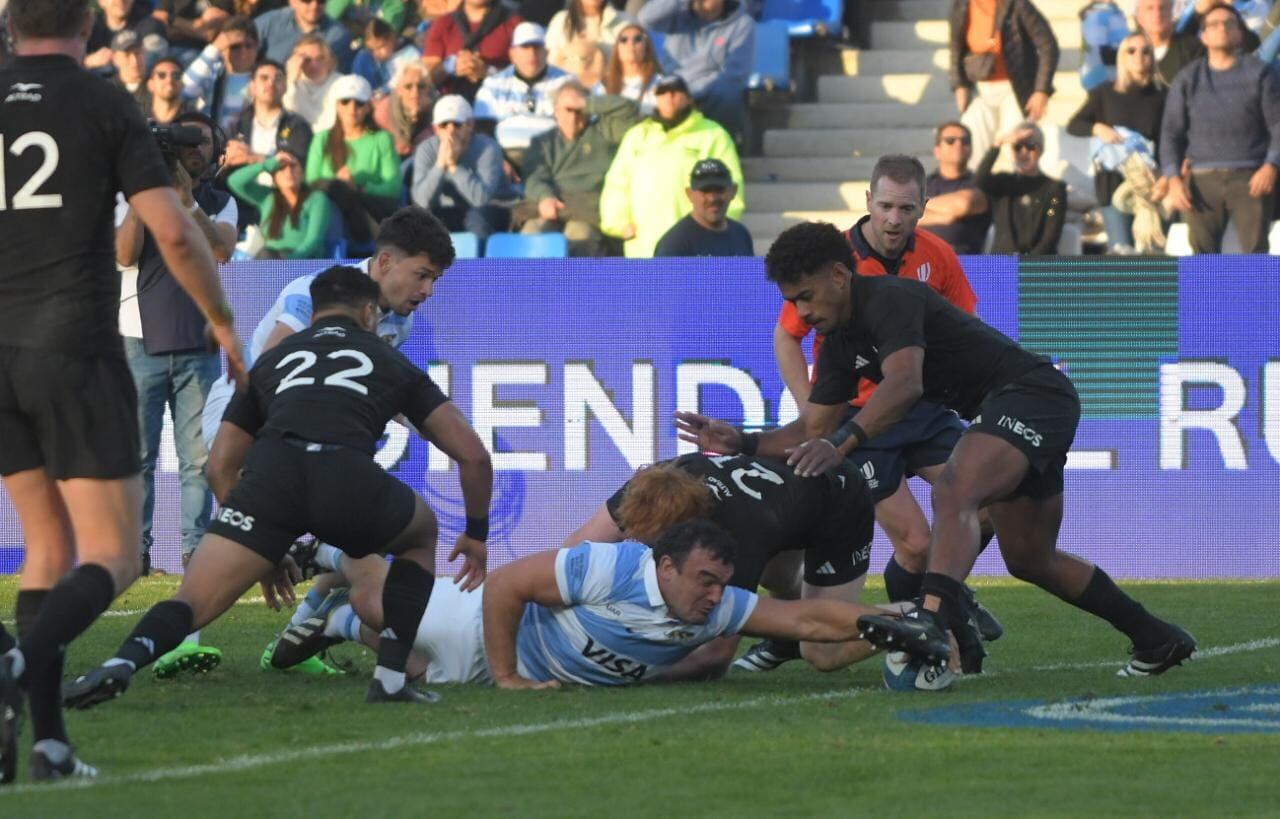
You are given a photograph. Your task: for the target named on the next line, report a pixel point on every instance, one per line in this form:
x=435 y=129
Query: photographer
x=168 y=354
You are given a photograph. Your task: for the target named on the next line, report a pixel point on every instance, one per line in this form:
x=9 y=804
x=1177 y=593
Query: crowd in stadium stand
x=586 y=118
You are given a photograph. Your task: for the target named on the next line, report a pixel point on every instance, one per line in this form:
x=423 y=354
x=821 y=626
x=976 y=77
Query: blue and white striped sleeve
x=736 y=606
x=585 y=573
x=295 y=307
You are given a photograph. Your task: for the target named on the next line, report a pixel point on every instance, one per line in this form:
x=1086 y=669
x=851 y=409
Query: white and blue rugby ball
x=902 y=672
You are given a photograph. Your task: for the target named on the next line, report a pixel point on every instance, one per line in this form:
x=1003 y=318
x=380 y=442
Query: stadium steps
x=887 y=98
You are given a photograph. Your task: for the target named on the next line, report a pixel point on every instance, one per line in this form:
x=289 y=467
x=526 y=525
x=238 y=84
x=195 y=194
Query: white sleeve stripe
x=562 y=580
x=291 y=321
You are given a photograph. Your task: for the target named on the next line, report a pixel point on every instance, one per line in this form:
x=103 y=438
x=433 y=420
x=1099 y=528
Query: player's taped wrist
x=749 y=444
x=850 y=429
x=477 y=528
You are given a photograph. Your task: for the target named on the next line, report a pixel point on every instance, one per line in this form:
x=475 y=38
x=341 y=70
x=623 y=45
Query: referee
x=68 y=410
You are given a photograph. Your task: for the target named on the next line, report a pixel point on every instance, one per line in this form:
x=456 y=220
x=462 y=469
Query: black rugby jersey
x=964 y=358
x=762 y=502
x=68 y=142
x=333 y=383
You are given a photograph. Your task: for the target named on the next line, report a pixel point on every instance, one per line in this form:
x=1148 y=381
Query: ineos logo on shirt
x=239 y=520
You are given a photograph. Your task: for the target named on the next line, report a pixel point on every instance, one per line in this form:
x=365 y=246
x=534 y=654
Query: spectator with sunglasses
x=164 y=85
x=633 y=68
x=355 y=162
x=1133 y=104
x=955 y=209
x=218 y=80
x=1028 y=207
x=458 y=174
x=516 y=103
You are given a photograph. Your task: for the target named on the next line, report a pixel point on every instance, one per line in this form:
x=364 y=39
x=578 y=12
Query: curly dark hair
x=680 y=540
x=343 y=286
x=803 y=249
x=414 y=231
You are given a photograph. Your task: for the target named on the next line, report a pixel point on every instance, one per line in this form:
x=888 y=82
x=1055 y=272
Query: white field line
x=250 y=761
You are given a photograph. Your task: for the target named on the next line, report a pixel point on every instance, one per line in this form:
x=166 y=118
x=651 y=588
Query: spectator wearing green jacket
x=295 y=218
x=355 y=162
x=644 y=190
x=564 y=168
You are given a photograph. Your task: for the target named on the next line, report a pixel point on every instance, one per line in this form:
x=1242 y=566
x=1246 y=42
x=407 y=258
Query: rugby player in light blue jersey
x=412 y=251
x=597 y=614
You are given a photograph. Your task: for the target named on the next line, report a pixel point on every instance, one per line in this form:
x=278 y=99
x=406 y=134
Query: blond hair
x=1125 y=70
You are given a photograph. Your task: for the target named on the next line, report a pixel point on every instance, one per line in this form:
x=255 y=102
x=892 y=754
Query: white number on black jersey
x=342 y=378
x=26 y=197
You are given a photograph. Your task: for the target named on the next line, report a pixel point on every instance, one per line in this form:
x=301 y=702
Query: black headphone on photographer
x=219 y=137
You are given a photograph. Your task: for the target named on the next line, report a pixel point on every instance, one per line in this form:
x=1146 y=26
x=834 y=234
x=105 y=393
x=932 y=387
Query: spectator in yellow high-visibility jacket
x=644 y=191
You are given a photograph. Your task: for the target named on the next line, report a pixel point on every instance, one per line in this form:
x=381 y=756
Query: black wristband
x=750 y=443
x=850 y=429
x=856 y=430
x=477 y=528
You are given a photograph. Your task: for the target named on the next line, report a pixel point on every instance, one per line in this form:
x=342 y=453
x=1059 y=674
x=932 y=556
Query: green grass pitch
x=241 y=742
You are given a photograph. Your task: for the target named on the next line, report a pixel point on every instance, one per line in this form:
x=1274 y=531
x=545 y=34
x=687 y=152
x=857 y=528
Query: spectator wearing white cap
x=518 y=99
x=458 y=174
x=355 y=161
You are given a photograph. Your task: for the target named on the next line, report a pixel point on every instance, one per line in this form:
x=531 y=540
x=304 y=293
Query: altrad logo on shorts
x=239 y=520
x=613 y=663
x=1018 y=428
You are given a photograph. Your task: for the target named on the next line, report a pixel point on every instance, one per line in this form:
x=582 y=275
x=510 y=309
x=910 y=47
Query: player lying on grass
x=317 y=404
x=601 y=614
x=771 y=513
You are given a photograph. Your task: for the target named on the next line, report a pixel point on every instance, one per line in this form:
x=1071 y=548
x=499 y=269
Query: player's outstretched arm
x=600 y=528
x=189 y=259
x=814 y=621
x=449 y=429
x=531 y=579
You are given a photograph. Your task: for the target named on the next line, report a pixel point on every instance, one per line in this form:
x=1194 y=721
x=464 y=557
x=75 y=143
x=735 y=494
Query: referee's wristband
x=477 y=528
x=750 y=443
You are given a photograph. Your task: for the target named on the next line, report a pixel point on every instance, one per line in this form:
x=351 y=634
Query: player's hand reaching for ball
x=814 y=457
x=475 y=556
x=709 y=434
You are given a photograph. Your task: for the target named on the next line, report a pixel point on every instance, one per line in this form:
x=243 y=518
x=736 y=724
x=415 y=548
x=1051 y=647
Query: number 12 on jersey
x=26 y=197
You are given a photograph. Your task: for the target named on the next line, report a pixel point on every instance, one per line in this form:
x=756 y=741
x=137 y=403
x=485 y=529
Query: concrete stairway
x=885 y=99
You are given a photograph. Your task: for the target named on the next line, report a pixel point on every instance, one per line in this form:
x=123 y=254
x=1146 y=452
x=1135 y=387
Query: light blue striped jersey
x=292 y=308
x=614 y=627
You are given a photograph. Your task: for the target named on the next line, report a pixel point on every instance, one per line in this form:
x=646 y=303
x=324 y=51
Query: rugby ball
x=902 y=672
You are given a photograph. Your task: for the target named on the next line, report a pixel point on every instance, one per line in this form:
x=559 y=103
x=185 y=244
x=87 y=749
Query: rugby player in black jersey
x=914 y=344
x=295 y=454
x=68 y=409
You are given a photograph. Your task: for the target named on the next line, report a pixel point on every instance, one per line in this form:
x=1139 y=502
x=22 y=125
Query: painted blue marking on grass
x=1255 y=709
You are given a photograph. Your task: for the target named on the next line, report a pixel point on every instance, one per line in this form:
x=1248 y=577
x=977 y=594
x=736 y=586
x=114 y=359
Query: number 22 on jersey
x=342 y=378
x=26 y=197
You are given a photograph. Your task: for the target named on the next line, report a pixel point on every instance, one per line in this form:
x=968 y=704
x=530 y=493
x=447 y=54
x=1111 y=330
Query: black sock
x=951 y=593
x=1103 y=598
x=44 y=688
x=404 y=598
x=405 y=594
x=899 y=583
x=6 y=639
x=69 y=608
x=159 y=631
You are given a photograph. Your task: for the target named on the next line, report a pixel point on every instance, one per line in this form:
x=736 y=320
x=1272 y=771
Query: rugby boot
x=767 y=655
x=1177 y=646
